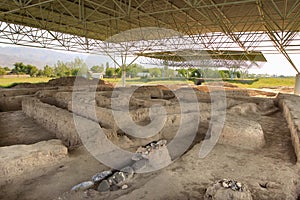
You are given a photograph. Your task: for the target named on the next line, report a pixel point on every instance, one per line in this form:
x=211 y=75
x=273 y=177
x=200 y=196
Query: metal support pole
x=123 y=75
x=297 y=85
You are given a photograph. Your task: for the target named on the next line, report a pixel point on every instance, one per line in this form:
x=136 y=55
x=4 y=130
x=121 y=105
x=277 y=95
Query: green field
x=7 y=82
x=268 y=82
x=260 y=83
x=139 y=81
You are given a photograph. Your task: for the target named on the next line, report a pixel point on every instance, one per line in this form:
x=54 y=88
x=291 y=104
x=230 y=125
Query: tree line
x=79 y=67
x=135 y=70
x=60 y=69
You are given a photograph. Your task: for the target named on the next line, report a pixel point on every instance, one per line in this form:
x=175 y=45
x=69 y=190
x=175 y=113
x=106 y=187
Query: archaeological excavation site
x=57 y=141
x=182 y=127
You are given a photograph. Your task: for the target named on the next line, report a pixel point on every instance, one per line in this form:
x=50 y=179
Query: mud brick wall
x=58 y=121
x=11 y=99
x=18 y=159
x=290 y=105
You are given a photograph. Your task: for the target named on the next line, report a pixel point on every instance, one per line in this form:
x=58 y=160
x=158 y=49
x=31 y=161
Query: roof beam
x=26 y=7
x=273 y=36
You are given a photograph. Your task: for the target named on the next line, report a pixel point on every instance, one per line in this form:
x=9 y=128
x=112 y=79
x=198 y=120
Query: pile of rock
x=232 y=184
x=116 y=181
x=107 y=181
x=228 y=189
x=153 y=156
x=145 y=151
x=110 y=180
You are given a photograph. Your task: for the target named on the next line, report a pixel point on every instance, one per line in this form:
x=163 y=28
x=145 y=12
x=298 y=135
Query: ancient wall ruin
x=246 y=135
x=291 y=111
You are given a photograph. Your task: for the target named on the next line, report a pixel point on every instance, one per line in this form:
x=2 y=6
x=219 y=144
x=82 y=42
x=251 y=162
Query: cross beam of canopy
x=80 y=25
x=188 y=55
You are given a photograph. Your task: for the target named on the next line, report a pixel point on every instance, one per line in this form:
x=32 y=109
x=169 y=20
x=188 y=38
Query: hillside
x=41 y=57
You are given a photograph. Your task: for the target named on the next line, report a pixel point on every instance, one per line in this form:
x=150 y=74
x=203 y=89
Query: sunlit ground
x=6 y=82
x=269 y=82
x=259 y=83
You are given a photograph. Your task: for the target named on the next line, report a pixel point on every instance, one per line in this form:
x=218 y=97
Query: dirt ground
x=270 y=172
x=25 y=130
x=186 y=178
x=189 y=176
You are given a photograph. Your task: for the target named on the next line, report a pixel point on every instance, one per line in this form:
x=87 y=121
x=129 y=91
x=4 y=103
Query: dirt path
x=278 y=139
x=17 y=128
x=270 y=172
x=50 y=182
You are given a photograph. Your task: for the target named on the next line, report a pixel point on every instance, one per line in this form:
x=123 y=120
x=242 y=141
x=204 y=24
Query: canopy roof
x=79 y=25
x=100 y=19
x=189 y=55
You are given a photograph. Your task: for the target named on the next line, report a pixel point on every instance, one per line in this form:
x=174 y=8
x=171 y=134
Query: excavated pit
x=259 y=144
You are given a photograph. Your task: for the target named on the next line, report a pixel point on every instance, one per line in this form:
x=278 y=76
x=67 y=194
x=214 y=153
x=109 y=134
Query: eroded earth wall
x=291 y=110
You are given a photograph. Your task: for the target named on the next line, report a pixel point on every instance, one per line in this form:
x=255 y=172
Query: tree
x=133 y=69
x=73 y=68
x=109 y=71
x=78 y=67
x=6 y=69
x=2 y=71
x=155 y=72
x=170 y=73
x=118 y=72
x=19 y=68
x=62 y=70
x=182 y=72
x=224 y=73
x=31 y=70
x=97 y=68
x=40 y=73
x=48 y=71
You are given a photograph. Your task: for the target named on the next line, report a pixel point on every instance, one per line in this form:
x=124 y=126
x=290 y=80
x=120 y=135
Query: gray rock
x=128 y=171
x=160 y=158
x=140 y=165
x=232 y=184
x=114 y=188
x=100 y=176
x=104 y=186
x=227 y=190
x=124 y=187
x=137 y=156
x=111 y=180
x=119 y=177
x=162 y=142
x=83 y=186
x=145 y=151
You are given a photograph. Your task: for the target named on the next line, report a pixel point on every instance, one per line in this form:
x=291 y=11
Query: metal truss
x=156 y=39
x=242 y=65
x=118 y=26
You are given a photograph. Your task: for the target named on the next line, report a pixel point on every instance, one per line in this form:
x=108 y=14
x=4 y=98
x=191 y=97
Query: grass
x=8 y=82
x=260 y=83
x=268 y=83
x=139 y=81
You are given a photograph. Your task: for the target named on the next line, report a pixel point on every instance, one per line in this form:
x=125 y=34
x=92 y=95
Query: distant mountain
x=39 y=57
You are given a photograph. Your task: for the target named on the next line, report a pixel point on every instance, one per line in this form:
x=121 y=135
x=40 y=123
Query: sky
x=278 y=65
